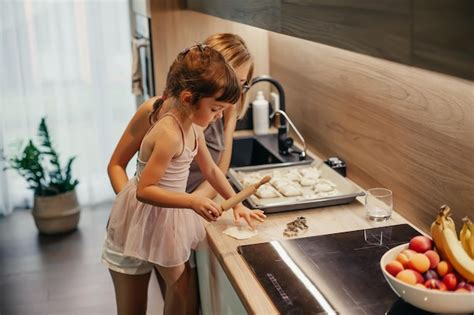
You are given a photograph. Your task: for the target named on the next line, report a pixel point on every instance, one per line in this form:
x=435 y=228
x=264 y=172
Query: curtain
x=68 y=61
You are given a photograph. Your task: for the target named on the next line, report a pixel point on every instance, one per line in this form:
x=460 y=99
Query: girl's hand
x=241 y=211
x=206 y=208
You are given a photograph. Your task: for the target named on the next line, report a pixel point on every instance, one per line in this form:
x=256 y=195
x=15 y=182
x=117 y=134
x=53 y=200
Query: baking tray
x=346 y=191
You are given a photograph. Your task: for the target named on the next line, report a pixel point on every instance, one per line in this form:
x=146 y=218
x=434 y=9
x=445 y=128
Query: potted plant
x=56 y=208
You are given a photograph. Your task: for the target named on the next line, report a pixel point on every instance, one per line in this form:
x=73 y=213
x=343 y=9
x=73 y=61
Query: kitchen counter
x=321 y=221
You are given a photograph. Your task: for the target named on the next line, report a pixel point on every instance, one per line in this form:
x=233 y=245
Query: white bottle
x=260 y=114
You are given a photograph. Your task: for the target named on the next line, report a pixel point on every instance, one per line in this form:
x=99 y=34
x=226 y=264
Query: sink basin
x=249 y=151
x=260 y=150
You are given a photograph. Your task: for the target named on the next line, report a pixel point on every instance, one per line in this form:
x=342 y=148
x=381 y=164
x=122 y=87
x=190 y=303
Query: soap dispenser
x=260 y=114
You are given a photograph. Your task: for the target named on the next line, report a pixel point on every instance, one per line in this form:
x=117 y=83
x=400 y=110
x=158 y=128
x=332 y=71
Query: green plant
x=40 y=166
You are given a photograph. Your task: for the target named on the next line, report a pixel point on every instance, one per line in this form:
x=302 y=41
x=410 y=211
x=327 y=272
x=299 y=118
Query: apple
x=450 y=281
x=420 y=244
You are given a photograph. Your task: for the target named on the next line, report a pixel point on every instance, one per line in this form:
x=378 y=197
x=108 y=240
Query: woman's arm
x=169 y=145
x=230 y=121
x=128 y=145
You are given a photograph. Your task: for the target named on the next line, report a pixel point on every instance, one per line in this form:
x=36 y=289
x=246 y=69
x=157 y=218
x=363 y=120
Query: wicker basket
x=57 y=214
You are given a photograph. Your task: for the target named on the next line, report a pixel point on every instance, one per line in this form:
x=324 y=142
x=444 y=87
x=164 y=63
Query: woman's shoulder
x=147 y=106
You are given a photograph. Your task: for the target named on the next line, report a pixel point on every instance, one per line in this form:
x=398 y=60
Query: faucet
x=285 y=143
x=301 y=154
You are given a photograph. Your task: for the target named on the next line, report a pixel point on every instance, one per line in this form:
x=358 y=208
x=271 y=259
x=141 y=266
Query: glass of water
x=378 y=204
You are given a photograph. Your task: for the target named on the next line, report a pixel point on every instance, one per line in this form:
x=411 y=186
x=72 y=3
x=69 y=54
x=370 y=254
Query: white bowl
x=429 y=300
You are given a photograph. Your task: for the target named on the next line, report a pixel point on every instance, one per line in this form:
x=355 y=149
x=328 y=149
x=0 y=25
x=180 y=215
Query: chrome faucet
x=285 y=143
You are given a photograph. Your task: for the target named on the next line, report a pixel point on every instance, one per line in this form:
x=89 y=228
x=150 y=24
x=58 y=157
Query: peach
x=407 y=276
x=435 y=285
x=420 y=244
x=444 y=268
x=450 y=281
x=394 y=267
x=420 y=285
x=409 y=253
x=419 y=277
x=433 y=257
x=419 y=262
x=403 y=259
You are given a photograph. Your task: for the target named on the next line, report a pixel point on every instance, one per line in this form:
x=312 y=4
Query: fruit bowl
x=429 y=300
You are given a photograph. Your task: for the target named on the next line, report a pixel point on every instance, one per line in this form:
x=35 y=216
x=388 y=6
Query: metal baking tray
x=346 y=191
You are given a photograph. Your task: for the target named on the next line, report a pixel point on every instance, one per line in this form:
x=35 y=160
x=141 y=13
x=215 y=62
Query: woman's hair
x=235 y=51
x=204 y=72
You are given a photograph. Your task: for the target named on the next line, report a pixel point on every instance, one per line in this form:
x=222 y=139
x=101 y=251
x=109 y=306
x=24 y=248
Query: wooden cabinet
x=431 y=34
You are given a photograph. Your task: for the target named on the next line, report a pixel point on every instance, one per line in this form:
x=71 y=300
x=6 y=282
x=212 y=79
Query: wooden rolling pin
x=244 y=194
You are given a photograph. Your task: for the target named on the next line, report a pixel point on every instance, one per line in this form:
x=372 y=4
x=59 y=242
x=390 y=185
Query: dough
x=239 y=232
x=289 y=191
x=279 y=183
x=310 y=173
x=323 y=187
x=307 y=182
x=266 y=191
x=293 y=175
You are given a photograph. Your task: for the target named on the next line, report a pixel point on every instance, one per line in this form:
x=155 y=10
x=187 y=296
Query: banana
x=456 y=254
x=437 y=231
x=470 y=225
x=465 y=236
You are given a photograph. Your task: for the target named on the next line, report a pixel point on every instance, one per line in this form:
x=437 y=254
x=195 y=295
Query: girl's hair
x=204 y=72
x=235 y=51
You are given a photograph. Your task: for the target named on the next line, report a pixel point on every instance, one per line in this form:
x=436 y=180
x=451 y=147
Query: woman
x=131 y=290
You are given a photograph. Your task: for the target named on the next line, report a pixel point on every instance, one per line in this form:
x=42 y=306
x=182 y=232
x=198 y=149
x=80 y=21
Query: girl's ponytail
x=152 y=117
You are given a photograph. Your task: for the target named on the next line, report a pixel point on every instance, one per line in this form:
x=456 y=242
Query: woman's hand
x=206 y=208
x=241 y=211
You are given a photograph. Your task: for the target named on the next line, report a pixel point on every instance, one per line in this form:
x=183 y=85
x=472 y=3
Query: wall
x=396 y=126
x=174 y=29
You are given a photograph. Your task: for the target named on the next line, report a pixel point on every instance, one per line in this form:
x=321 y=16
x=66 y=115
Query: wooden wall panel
x=446 y=45
x=404 y=128
x=377 y=28
x=174 y=28
x=263 y=13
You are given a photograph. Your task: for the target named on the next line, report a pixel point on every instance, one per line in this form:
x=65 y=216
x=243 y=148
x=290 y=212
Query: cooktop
x=330 y=274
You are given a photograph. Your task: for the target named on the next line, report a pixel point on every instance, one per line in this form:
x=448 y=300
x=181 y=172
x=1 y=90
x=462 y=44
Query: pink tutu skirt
x=163 y=236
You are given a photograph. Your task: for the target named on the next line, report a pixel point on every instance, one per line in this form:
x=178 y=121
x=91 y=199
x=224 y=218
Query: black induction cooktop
x=330 y=274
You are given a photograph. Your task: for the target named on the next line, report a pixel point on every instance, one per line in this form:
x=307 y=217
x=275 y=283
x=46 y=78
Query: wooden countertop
x=321 y=221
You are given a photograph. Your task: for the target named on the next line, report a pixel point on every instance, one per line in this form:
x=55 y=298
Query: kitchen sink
x=261 y=150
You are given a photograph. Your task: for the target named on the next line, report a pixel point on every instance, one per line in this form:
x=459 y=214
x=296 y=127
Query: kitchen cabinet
x=431 y=34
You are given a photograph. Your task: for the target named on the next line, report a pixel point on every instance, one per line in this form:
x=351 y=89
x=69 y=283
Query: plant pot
x=56 y=214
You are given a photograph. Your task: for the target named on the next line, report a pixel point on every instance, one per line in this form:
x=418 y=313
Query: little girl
x=152 y=218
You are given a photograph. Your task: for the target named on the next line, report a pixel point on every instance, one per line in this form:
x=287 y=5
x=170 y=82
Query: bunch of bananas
x=459 y=253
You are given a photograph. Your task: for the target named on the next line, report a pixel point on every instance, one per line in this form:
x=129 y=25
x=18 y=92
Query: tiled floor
x=58 y=275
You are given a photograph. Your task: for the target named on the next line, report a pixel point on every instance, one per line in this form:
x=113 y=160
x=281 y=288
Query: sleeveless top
x=163 y=236
x=214 y=135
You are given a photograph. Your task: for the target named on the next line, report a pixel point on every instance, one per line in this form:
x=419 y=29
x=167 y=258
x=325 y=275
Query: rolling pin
x=244 y=194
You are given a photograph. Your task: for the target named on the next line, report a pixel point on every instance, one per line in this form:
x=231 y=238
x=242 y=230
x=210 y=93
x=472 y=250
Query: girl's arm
x=128 y=145
x=217 y=179
x=169 y=145
x=230 y=121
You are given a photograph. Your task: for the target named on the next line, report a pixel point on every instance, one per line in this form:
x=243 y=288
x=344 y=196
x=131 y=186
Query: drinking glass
x=378 y=204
